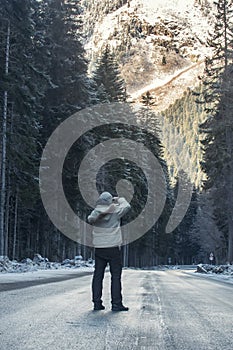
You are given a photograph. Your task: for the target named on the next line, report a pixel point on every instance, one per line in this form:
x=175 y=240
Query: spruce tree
x=23 y=86
x=148 y=100
x=218 y=143
x=110 y=85
x=69 y=90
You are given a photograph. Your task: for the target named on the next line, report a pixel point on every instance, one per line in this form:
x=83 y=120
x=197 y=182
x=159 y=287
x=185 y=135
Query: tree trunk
x=36 y=246
x=7 y=222
x=84 y=238
x=4 y=140
x=230 y=218
x=230 y=196
x=9 y=191
x=15 y=224
x=63 y=250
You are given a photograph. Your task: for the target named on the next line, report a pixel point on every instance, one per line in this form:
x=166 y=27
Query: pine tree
x=60 y=35
x=187 y=244
x=148 y=100
x=46 y=83
x=22 y=86
x=218 y=143
x=110 y=85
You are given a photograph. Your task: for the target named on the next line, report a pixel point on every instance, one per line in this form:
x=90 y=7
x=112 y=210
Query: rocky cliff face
x=161 y=47
x=154 y=40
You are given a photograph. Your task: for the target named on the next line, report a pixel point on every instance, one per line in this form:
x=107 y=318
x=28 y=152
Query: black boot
x=98 y=306
x=119 y=307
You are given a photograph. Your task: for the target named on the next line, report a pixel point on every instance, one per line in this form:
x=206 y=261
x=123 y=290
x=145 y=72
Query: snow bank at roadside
x=217 y=272
x=40 y=263
x=44 y=268
x=215 y=269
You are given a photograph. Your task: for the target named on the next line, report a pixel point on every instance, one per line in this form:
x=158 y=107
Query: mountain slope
x=152 y=39
x=165 y=93
x=161 y=48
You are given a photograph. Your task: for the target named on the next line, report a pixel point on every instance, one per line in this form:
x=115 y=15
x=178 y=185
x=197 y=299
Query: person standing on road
x=107 y=239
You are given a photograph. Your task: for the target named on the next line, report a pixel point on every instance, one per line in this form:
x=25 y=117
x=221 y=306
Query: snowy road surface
x=169 y=310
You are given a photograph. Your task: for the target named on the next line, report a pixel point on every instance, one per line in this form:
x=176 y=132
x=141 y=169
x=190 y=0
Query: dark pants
x=102 y=257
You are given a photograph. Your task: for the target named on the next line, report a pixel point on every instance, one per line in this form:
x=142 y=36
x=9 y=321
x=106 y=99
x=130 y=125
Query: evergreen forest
x=45 y=78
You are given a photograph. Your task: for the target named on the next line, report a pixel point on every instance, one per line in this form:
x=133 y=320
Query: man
x=107 y=238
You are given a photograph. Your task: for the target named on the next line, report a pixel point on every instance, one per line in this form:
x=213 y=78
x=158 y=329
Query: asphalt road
x=169 y=310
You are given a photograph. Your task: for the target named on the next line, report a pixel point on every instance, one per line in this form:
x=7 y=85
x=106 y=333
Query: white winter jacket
x=106 y=229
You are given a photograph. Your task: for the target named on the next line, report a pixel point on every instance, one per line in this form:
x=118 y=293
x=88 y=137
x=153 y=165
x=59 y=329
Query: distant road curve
x=163 y=91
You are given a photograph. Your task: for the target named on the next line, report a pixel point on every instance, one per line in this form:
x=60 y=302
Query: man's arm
x=95 y=215
x=123 y=207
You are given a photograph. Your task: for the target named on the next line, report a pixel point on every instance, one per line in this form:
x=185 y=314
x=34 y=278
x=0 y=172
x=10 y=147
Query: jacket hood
x=104 y=199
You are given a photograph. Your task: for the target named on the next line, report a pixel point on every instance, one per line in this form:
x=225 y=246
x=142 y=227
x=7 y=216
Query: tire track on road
x=9 y=286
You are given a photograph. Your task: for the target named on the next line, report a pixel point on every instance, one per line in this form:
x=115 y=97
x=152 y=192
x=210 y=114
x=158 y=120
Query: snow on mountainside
x=160 y=46
x=156 y=42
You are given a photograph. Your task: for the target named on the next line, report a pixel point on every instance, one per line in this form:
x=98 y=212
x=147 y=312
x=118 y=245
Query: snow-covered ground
x=38 y=275
x=142 y=69
x=221 y=277
x=167 y=310
x=216 y=272
x=152 y=11
x=40 y=268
